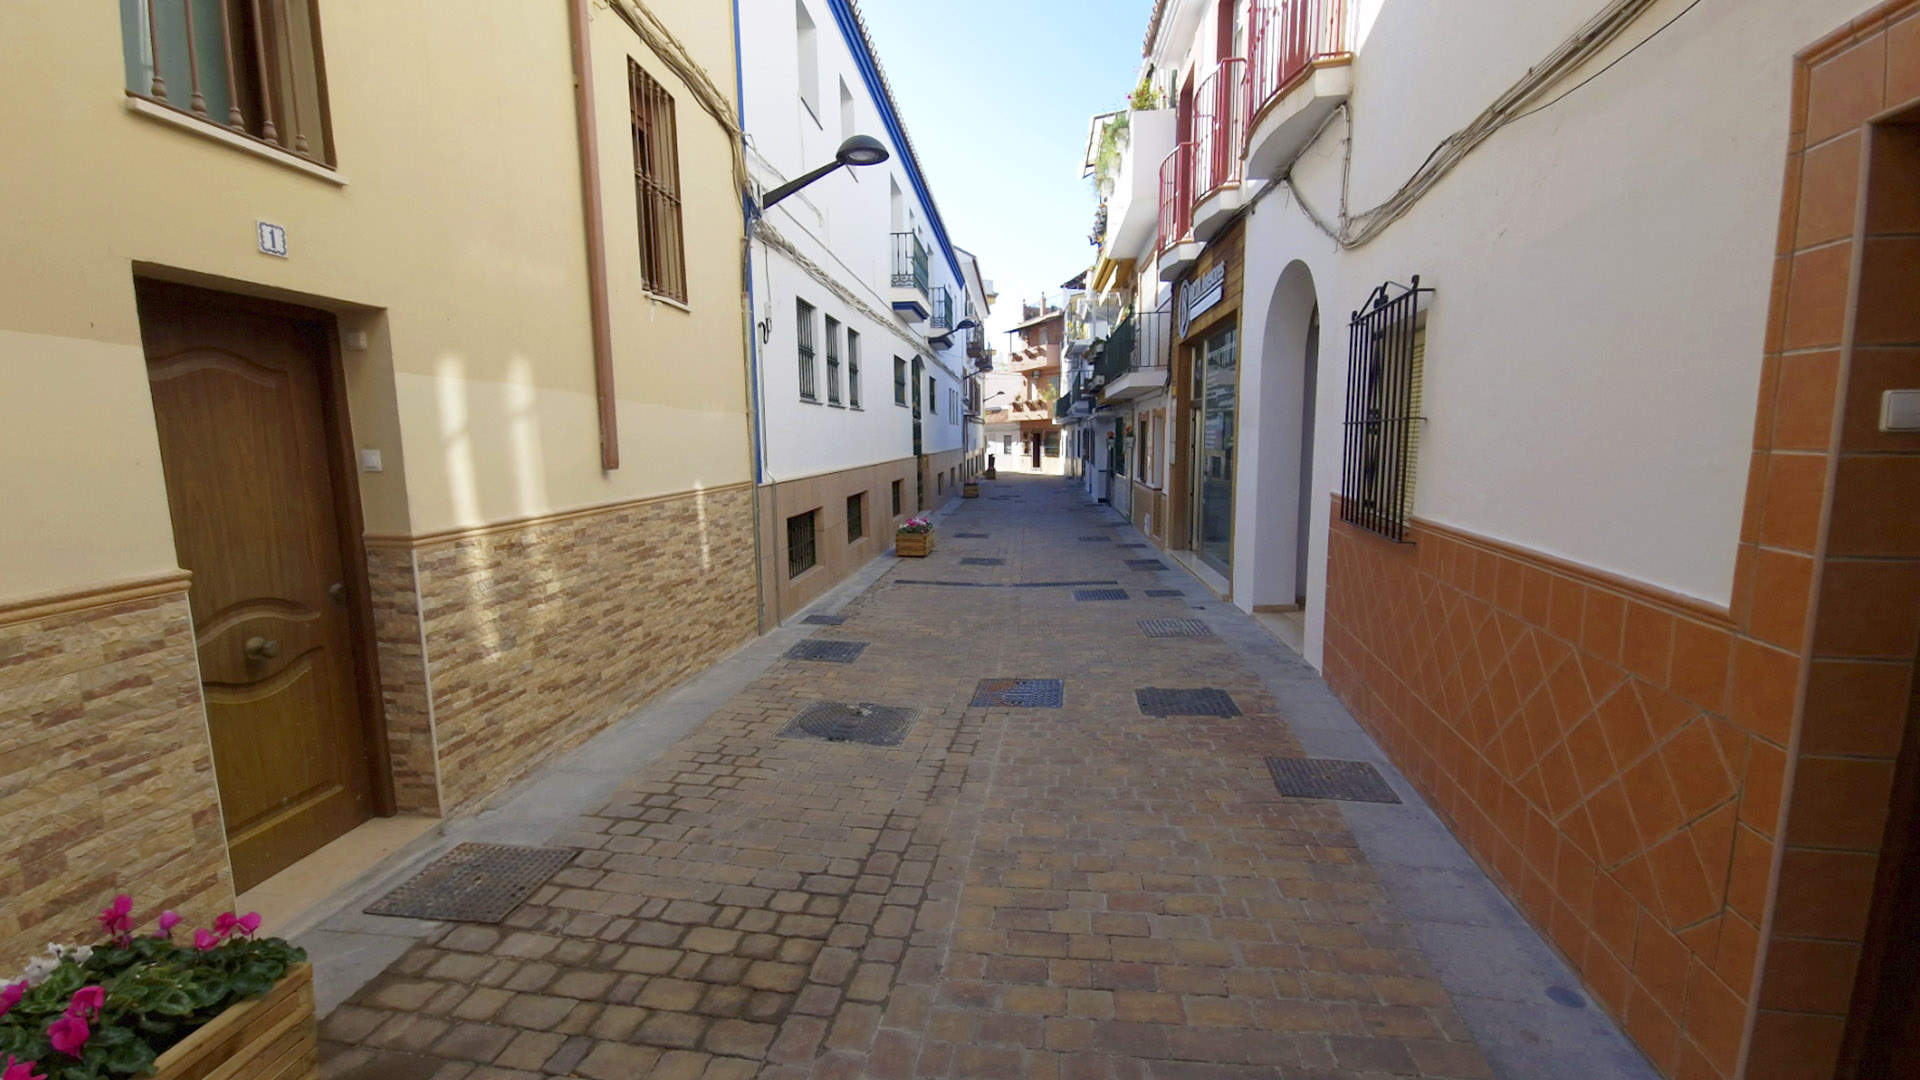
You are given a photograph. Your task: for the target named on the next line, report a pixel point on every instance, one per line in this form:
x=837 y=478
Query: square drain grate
x=970 y=561
x=1328 y=778
x=1084 y=595
x=1145 y=564
x=1162 y=594
x=825 y=620
x=827 y=652
x=478 y=883
x=1133 y=545
x=1155 y=701
x=1175 y=628
x=970 y=536
x=1096 y=539
x=840 y=721
x=1018 y=694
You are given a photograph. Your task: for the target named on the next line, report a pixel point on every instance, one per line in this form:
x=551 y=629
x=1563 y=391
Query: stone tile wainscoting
x=106 y=768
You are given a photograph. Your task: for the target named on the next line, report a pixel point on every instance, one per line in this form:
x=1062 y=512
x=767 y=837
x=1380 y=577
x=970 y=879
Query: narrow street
x=1017 y=889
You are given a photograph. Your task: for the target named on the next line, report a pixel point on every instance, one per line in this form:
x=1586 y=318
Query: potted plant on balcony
x=225 y=1003
x=913 y=539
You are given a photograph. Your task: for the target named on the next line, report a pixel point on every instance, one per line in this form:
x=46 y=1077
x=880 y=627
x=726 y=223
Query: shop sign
x=1199 y=295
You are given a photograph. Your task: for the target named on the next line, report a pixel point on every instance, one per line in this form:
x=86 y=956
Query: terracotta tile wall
x=106 y=771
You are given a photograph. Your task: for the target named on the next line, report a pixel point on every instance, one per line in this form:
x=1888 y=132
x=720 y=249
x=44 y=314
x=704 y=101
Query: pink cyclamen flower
x=117 y=917
x=87 y=1002
x=248 y=923
x=69 y=1035
x=204 y=939
x=20 y=1070
x=9 y=997
x=226 y=924
x=168 y=920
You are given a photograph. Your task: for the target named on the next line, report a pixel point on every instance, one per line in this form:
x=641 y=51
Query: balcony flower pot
x=226 y=1004
x=914 y=540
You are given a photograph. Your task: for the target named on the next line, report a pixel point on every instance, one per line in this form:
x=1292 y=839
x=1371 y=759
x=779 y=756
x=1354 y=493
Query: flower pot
x=264 y=1038
x=970 y=490
x=913 y=545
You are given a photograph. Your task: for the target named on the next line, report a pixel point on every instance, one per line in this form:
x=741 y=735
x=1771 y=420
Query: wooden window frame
x=656 y=183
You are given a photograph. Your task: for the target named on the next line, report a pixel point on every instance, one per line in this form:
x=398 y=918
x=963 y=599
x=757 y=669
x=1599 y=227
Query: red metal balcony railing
x=1176 y=195
x=1286 y=38
x=1220 y=128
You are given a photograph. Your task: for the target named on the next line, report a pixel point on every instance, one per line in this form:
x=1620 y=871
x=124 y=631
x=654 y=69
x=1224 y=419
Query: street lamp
x=946 y=339
x=859 y=151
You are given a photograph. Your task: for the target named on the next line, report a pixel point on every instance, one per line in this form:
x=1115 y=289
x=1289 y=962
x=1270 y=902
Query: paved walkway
x=1082 y=891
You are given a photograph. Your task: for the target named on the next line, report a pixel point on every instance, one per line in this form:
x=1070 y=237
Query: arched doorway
x=1283 y=528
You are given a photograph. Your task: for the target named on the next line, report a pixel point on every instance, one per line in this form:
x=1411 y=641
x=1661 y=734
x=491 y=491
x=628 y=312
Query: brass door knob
x=262 y=648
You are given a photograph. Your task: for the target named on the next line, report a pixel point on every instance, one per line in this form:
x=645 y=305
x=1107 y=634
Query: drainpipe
x=756 y=438
x=596 y=234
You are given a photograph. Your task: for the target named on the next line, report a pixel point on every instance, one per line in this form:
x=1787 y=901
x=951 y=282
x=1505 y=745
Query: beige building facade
x=362 y=459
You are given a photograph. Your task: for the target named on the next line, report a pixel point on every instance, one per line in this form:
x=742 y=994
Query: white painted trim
x=207 y=129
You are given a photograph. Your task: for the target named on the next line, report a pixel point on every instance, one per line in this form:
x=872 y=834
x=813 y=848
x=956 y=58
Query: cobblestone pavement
x=1082 y=891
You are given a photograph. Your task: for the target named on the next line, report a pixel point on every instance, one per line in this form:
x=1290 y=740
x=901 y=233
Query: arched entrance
x=1283 y=529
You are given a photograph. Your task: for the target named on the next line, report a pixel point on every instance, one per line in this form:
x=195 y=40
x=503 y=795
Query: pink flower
x=248 y=923
x=117 y=917
x=168 y=920
x=87 y=1002
x=69 y=1035
x=205 y=939
x=225 y=924
x=20 y=1070
x=9 y=997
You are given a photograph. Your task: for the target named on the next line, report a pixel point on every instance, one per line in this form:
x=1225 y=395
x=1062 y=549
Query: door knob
x=262 y=648
x=337 y=592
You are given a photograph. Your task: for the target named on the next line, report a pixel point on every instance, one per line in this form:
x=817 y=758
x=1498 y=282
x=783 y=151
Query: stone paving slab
x=1062 y=893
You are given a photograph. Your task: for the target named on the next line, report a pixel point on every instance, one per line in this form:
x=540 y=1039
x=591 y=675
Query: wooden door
x=1883 y=1035
x=239 y=398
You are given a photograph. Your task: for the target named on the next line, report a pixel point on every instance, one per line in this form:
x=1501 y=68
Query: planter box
x=970 y=490
x=913 y=545
x=267 y=1038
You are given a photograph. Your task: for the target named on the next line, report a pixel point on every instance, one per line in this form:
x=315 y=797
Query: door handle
x=337 y=592
x=262 y=648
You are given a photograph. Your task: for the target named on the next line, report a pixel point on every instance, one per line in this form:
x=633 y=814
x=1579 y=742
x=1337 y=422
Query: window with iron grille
x=853 y=368
x=856 y=516
x=1385 y=370
x=254 y=69
x=933 y=395
x=899 y=381
x=833 y=360
x=803 y=332
x=800 y=555
x=896 y=498
x=656 y=183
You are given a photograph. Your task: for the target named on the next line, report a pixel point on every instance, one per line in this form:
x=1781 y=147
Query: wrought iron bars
x=259 y=61
x=1383 y=404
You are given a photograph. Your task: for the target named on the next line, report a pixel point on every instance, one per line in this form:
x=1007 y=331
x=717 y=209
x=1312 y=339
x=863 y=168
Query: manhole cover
x=1096 y=539
x=970 y=536
x=1099 y=594
x=982 y=562
x=1207 y=701
x=827 y=652
x=1018 y=694
x=1175 y=628
x=840 y=721
x=1165 y=593
x=478 y=883
x=824 y=620
x=1327 y=778
x=1145 y=564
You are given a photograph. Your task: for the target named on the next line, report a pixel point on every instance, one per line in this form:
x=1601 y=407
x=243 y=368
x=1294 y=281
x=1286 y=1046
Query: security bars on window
x=833 y=360
x=1383 y=404
x=803 y=334
x=853 y=368
x=656 y=180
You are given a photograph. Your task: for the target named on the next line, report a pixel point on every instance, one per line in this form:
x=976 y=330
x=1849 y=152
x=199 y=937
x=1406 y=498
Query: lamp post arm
x=791 y=186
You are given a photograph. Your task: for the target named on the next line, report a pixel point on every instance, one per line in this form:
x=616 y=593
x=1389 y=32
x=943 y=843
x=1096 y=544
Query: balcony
x=1220 y=130
x=942 y=318
x=1299 y=71
x=1033 y=409
x=1034 y=358
x=1138 y=357
x=910 y=277
x=1133 y=202
x=1178 y=247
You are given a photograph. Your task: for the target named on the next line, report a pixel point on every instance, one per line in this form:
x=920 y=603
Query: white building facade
x=860 y=307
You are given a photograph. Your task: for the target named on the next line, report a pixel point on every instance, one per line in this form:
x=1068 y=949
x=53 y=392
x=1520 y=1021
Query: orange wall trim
x=447 y=536
x=105 y=594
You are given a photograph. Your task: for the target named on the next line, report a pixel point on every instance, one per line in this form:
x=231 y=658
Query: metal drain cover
x=1018 y=694
x=824 y=620
x=982 y=562
x=1099 y=594
x=1327 y=778
x=1145 y=564
x=1096 y=539
x=1165 y=593
x=970 y=536
x=478 y=883
x=1133 y=545
x=1206 y=701
x=1175 y=628
x=827 y=652
x=840 y=721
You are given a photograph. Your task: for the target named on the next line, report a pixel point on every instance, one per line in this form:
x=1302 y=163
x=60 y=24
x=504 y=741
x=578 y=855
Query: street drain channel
x=1155 y=701
x=1145 y=564
x=827 y=652
x=1176 y=628
x=846 y=722
x=476 y=883
x=971 y=536
x=1085 y=595
x=970 y=561
x=1329 y=778
x=1096 y=539
x=1163 y=594
x=825 y=620
x=1018 y=694
x=1003 y=584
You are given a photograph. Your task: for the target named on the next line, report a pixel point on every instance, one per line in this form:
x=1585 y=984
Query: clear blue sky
x=997 y=95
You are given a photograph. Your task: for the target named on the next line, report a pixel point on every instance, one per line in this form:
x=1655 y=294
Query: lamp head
x=965 y=324
x=861 y=150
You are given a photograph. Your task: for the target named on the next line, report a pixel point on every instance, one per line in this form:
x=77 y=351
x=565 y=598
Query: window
x=1052 y=448
x=853 y=368
x=803 y=328
x=897 y=205
x=899 y=381
x=856 y=516
x=809 y=55
x=847 y=124
x=933 y=394
x=1006 y=444
x=251 y=68
x=1380 y=458
x=1144 y=466
x=940 y=483
x=656 y=183
x=800 y=556
x=833 y=360
x=896 y=498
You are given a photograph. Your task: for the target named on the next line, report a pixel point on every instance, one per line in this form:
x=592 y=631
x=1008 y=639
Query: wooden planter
x=913 y=545
x=970 y=490
x=267 y=1038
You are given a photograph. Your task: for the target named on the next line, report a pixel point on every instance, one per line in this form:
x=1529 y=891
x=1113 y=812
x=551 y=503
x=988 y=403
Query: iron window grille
x=899 y=381
x=803 y=330
x=853 y=368
x=656 y=181
x=942 y=318
x=833 y=360
x=909 y=262
x=856 y=516
x=1387 y=342
x=896 y=498
x=800 y=554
